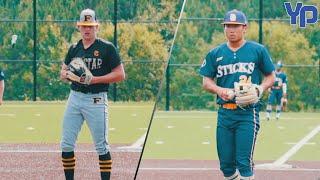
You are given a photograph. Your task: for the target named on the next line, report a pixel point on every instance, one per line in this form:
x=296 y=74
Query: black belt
x=88 y=91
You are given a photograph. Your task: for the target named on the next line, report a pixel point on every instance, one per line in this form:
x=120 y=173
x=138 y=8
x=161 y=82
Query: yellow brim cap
x=87 y=24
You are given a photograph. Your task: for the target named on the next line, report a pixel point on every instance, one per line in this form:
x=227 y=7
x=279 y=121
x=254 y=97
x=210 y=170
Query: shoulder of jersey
x=213 y=52
x=255 y=44
x=104 y=42
x=74 y=45
x=218 y=48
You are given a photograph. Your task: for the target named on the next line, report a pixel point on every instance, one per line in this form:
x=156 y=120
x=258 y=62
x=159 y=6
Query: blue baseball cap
x=235 y=17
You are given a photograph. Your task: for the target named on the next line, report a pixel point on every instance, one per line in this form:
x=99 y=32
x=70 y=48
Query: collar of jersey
x=85 y=49
x=242 y=45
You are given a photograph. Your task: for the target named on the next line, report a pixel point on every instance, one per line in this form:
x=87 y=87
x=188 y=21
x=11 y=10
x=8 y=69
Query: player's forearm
x=116 y=75
x=110 y=78
x=63 y=72
x=209 y=85
x=268 y=81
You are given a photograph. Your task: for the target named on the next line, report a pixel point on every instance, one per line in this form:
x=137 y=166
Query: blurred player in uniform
x=278 y=92
x=1 y=86
x=88 y=96
x=237 y=63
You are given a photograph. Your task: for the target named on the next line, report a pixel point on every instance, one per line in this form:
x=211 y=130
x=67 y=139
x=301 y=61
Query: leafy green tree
x=137 y=43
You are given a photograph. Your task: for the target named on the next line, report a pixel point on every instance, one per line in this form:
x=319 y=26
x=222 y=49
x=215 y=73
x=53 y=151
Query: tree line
x=144 y=47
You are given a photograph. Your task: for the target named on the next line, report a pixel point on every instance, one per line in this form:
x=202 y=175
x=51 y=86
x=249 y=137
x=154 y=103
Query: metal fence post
x=168 y=87
x=34 y=50
x=115 y=43
x=260 y=21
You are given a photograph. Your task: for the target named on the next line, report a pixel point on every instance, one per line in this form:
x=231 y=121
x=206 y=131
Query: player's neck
x=234 y=46
x=88 y=42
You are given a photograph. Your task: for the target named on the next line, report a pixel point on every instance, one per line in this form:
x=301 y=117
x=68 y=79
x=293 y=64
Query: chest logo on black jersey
x=96 y=53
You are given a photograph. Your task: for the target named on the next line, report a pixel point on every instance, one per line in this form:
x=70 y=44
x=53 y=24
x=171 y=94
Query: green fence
x=186 y=91
x=144 y=33
x=143 y=79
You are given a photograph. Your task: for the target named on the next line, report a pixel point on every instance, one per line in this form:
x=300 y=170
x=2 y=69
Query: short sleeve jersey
x=226 y=66
x=1 y=75
x=101 y=57
x=281 y=78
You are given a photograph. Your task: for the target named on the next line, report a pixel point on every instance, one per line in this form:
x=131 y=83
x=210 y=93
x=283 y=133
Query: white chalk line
x=296 y=147
x=217 y=169
x=136 y=145
x=189 y=117
x=59 y=151
x=7 y=114
x=181 y=169
x=280 y=163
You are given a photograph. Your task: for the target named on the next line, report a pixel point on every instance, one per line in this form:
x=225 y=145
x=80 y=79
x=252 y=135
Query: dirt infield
x=209 y=170
x=43 y=162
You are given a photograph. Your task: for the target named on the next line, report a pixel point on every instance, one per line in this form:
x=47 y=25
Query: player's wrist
x=93 y=80
x=219 y=91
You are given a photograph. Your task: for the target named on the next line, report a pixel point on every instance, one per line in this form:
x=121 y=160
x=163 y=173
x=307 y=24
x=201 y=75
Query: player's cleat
x=235 y=176
x=268 y=115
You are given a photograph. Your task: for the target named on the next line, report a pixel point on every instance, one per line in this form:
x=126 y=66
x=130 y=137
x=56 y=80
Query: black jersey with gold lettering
x=101 y=57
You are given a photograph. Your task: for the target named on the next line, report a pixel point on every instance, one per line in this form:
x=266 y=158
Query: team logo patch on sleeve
x=219 y=58
x=204 y=63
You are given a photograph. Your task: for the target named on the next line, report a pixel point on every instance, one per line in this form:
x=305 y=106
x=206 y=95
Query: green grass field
x=174 y=135
x=40 y=122
x=191 y=135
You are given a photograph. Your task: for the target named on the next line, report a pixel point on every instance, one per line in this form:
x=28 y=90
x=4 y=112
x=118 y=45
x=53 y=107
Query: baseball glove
x=247 y=93
x=78 y=72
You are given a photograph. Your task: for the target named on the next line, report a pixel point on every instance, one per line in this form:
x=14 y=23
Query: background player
x=88 y=97
x=1 y=86
x=238 y=125
x=278 y=92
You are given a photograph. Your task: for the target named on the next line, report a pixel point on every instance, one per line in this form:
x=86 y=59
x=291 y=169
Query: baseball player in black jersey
x=1 y=86
x=90 y=64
